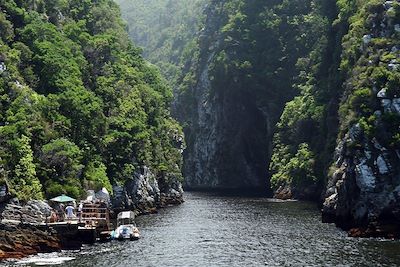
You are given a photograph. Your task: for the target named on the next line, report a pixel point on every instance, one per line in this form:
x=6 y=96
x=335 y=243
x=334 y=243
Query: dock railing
x=95 y=214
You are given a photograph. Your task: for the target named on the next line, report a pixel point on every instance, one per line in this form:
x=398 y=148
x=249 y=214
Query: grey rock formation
x=363 y=194
x=228 y=132
x=143 y=194
x=34 y=212
x=4 y=193
x=3 y=67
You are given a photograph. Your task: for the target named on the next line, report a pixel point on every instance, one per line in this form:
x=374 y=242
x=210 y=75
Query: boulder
x=3 y=67
x=103 y=195
x=396 y=105
x=382 y=93
x=34 y=212
x=367 y=39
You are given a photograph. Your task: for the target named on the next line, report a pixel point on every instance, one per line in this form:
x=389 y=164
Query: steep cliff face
x=364 y=189
x=220 y=151
x=144 y=193
x=236 y=89
x=235 y=68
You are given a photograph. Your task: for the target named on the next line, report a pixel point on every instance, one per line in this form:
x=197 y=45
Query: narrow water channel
x=212 y=230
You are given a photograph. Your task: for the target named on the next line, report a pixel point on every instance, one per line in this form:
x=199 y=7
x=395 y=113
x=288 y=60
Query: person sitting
x=53 y=217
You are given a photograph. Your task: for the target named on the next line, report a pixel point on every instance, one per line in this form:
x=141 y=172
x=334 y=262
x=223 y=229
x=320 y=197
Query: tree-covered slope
x=306 y=133
x=166 y=30
x=79 y=107
x=350 y=100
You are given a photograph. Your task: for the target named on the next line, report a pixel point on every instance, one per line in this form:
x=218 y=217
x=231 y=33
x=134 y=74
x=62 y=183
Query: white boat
x=126 y=227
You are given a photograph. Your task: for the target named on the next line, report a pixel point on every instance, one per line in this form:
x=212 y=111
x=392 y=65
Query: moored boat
x=126 y=227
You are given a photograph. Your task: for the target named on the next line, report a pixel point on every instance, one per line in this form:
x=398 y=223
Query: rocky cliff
x=19 y=237
x=24 y=240
x=302 y=95
x=144 y=193
x=364 y=189
x=235 y=90
x=221 y=152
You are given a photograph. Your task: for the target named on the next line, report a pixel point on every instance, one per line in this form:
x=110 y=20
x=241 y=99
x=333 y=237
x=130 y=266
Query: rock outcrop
x=363 y=193
x=229 y=111
x=144 y=194
x=22 y=232
x=18 y=241
x=34 y=212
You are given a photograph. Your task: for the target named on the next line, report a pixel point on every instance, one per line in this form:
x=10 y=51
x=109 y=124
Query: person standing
x=61 y=213
x=80 y=209
x=70 y=212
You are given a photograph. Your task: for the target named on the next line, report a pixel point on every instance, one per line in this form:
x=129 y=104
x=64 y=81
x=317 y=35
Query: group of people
x=62 y=212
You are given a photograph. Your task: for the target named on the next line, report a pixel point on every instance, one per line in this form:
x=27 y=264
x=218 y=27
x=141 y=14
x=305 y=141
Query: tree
x=61 y=160
x=96 y=176
x=24 y=182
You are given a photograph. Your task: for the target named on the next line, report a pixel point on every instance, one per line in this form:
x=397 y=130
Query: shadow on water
x=242 y=192
x=213 y=229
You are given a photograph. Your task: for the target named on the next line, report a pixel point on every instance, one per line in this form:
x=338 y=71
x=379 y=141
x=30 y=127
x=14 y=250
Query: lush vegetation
x=370 y=60
x=306 y=133
x=166 y=30
x=313 y=67
x=362 y=76
x=79 y=107
x=266 y=52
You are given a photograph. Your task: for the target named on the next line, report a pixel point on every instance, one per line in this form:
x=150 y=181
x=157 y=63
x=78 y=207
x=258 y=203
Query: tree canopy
x=79 y=106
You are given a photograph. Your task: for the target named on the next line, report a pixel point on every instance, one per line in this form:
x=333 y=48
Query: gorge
x=297 y=96
x=290 y=99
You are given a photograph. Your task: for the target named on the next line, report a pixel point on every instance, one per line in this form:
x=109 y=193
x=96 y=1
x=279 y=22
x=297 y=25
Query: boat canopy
x=126 y=215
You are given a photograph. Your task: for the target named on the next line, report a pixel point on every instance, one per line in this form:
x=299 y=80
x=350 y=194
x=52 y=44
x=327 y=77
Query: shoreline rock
x=19 y=241
x=305 y=192
x=376 y=230
x=363 y=192
x=144 y=193
x=22 y=228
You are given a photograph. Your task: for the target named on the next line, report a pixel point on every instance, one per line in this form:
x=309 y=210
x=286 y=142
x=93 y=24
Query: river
x=212 y=230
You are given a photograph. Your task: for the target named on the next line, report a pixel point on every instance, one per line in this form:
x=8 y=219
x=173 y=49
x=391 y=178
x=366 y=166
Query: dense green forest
x=166 y=30
x=305 y=135
x=299 y=98
x=79 y=107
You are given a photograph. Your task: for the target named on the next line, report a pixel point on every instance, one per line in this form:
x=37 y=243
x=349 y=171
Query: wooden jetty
x=91 y=223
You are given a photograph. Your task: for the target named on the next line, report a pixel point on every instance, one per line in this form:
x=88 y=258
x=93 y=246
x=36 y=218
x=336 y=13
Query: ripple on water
x=210 y=230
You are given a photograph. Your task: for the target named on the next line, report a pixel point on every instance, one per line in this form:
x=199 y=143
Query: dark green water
x=210 y=230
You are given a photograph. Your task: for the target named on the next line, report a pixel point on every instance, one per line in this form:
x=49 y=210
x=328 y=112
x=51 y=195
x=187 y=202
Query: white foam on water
x=42 y=260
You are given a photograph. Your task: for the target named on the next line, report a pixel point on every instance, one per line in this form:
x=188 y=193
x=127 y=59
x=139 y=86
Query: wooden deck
x=92 y=223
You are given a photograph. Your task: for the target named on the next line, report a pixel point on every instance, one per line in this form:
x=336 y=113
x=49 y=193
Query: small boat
x=126 y=227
